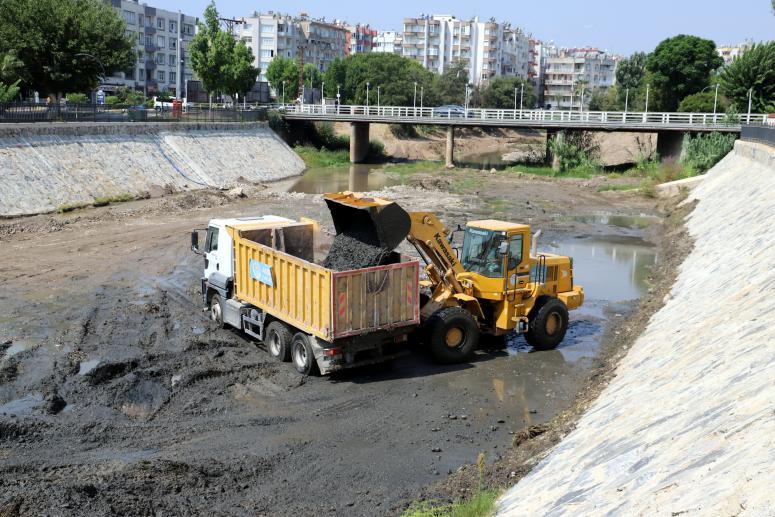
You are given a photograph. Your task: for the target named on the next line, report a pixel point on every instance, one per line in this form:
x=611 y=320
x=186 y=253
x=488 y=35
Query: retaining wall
x=688 y=423
x=44 y=166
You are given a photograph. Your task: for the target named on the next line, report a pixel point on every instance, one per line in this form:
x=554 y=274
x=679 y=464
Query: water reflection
x=355 y=177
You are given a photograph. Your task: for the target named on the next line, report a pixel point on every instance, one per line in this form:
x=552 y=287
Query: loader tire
x=216 y=310
x=547 y=324
x=302 y=354
x=278 y=341
x=452 y=335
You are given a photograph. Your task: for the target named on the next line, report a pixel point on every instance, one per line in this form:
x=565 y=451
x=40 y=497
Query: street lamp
x=750 y=95
x=322 y=93
x=626 y=104
x=377 y=96
x=715 y=99
x=283 y=92
x=521 y=96
x=466 y=103
x=647 y=98
x=422 y=89
x=515 y=98
x=367 y=93
x=414 y=102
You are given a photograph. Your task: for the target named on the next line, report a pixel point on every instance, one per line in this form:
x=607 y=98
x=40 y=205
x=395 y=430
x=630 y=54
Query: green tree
x=223 y=65
x=241 y=76
x=394 y=75
x=703 y=103
x=451 y=84
x=9 y=76
x=65 y=45
x=752 y=71
x=284 y=70
x=500 y=91
x=681 y=66
x=631 y=71
x=605 y=99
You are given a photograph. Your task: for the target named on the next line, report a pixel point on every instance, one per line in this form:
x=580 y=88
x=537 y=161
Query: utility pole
x=230 y=23
x=715 y=103
x=414 y=102
x=515 y=98
x=647 y=98
x=521 y=95
x=750 y=95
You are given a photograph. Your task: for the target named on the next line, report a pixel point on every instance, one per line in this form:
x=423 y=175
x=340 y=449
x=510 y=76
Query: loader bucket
x=374 y=221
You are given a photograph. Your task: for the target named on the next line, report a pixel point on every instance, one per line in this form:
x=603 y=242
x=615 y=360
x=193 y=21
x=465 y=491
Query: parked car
x=451 y=111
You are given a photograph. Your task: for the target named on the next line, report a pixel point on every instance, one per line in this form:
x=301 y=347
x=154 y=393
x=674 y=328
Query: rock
x=236 y=192
x=501 y=421
x=176 y=380
x=436 y=449
x=493 y=170
x=55 y=404
x=463 y=417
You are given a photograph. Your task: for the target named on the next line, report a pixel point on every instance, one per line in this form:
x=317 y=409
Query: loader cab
x=497 y=255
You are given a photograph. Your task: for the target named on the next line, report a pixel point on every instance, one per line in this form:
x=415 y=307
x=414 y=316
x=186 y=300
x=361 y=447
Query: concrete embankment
x=687 y=424
x=44 y=166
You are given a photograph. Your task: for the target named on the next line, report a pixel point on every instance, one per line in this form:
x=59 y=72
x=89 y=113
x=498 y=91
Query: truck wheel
x=278 y=340
x=547 y=325
x=452 y=335
x=216 y=310
x=302 y=354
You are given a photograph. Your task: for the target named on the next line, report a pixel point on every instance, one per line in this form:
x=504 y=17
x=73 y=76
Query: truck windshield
x=480 y=252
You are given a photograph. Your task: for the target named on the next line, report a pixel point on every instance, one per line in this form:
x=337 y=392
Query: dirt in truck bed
x=119 y=397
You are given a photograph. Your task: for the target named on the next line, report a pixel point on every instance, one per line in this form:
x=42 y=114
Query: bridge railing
x=545 y=116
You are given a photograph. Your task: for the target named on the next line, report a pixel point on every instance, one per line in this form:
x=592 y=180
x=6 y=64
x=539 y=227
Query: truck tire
x=548 y=322
x=302 y=355
x=278 y=340
x=216 y=310
x=452 y=335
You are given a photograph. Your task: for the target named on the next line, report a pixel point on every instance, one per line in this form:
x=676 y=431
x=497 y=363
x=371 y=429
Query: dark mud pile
x=348 y=253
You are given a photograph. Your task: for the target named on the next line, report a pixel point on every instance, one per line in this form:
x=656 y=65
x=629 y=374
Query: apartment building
x=729 y=52
x=359 y=39
x=161 y=41
x=389 y=42
x=574 y=74
x=274 y=34
x=488 y=48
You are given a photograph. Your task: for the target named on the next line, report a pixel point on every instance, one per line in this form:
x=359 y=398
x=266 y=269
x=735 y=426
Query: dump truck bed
x=327 y=304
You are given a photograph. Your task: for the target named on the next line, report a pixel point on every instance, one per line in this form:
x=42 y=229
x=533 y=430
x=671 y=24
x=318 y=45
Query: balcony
x=150 y=64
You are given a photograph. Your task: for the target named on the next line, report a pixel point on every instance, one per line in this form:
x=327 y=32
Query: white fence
x=472 y=116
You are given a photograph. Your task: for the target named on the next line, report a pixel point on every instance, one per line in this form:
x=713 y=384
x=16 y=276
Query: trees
x=500 y=91
x=65 y=45
x=221 y=64
x=681 y=66
x=394 y=75
x=605 y=100
x=9 y=76
x=752 y=71
x=451 y=85
x=283 y=70
x=703 y=103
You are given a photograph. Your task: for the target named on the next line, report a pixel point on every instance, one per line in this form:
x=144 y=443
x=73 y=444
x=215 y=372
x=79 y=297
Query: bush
x=403 y=130
x=704 y=151
x=703 y=103
x=77 y=98
x=575 y=150
x=111 y=100
x=325 y=137
x=376 y=149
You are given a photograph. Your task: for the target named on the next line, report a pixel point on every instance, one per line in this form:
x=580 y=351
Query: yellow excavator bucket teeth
x=375 y=221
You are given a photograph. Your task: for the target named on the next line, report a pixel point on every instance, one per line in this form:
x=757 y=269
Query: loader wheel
x=278 y=341
x=216 y=310
x=452 y=335
x=547 y=324
x=302 y=354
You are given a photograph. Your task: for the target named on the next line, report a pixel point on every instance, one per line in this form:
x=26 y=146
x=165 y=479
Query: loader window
x=515 y=251
x=480 y=252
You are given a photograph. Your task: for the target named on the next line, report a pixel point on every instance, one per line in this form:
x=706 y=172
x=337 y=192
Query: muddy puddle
x=355 y=177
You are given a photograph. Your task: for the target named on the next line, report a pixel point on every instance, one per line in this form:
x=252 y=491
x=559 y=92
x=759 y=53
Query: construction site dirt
x=118 y=396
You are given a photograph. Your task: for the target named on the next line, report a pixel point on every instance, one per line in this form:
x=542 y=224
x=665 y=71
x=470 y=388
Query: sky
x=622 y=27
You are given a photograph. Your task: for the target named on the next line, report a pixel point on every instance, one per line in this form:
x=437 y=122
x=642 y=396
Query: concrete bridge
x=670 y=127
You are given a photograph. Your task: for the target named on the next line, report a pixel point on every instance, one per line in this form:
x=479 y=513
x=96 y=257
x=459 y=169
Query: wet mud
x=119 y=397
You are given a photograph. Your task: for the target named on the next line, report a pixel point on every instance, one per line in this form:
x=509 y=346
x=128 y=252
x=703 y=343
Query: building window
x=140 y=56
x=140 y=38
x=247 y=39
x=140 y=20
x=173 y=77
x=160 y=40
x=173 y=26
x=148 y=40
x=160 y=75
x=266 y=53
x=172 y=59
x=160 y=23
x=173 y=43
x=141 y=74
x=160 y=59
x=129 y=16
x=267 y=29
x=188 y=29
x=149 y=21
x=267 y=42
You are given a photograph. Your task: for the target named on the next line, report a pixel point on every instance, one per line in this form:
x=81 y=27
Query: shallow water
x=359 y=177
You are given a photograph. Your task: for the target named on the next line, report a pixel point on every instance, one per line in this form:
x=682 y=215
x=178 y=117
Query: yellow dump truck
x=263 y=275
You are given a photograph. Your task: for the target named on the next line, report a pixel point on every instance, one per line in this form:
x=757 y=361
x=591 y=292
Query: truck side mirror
x=503 y=248
x=195 y=242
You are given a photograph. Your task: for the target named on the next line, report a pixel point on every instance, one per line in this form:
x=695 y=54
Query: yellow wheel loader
x=493 y=284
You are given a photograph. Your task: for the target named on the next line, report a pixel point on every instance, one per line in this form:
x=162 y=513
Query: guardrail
x=439 y=115
x=32 y=112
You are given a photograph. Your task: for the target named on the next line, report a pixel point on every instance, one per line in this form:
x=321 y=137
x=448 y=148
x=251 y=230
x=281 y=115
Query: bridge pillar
x=669 y=144
x=449 y=154
x=359 y=141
